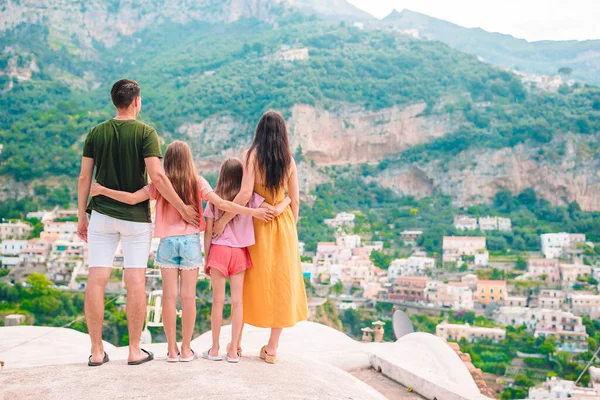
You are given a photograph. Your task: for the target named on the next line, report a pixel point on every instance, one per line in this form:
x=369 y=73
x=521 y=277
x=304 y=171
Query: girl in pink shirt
x=179 y=254
x=227 y=256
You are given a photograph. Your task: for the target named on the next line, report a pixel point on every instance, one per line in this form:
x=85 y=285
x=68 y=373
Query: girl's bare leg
x=218 y=300
x=189 y=278
x=237 y=310
x=170 y=280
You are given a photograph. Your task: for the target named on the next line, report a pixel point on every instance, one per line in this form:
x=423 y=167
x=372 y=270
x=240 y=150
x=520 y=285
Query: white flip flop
x=206 y=355
x=233 y=360
x=173 y=359
x=190 y=358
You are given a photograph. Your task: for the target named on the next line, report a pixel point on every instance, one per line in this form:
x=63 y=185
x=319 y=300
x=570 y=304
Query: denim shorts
x=182 y=252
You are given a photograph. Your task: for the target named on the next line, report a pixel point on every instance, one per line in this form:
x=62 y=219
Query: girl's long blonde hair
x=181 y=171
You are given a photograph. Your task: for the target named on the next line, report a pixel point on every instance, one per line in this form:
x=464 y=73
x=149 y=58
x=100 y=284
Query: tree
x=338 y=288
x=380 y=259
x=549 y=346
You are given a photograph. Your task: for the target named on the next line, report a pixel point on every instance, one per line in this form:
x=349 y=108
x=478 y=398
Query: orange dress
x=274 y=293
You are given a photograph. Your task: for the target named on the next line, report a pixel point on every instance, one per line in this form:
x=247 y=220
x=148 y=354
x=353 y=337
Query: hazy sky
x=527 y=19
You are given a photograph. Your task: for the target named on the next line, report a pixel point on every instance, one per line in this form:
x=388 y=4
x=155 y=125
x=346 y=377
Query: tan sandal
x=269 y=359
x=239 y=352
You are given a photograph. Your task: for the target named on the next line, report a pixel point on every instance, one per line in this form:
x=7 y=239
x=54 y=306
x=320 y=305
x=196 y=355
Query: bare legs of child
x=237 y=286
x=170 y=278
x=237 y=310
x=189 y=278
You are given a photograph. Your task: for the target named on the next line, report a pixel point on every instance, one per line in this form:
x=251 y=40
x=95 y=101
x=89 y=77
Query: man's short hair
x=123 y=92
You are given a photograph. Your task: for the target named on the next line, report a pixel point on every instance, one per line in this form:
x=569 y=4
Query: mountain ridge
x=544 y=56
x=385 y=106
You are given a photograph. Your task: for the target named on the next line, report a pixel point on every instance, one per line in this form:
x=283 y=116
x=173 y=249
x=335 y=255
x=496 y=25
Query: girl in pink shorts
x=227 y=256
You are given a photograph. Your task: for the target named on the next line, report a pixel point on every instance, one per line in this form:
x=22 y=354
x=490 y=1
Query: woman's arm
x=123 y=197
x=264 y=214
x=294 y=191
x=207 y=242
x=279 y=208
x=243 y=197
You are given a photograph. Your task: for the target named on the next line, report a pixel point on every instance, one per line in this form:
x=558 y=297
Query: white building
x=566 y=327
x=465 y=223
x=553 y=244
x=555 y=388
x=14 y=230
x=468 y=332
x=482 y=258
x=348 y=241
x=517 y=316
x=585 y=304
x=454 y=247
x=412 y=266
x=59 y=231
x=11 y=249
x=342 y=219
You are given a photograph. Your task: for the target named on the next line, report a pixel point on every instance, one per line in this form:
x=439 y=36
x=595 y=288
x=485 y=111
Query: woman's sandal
x=269 y=359
x=239 y=352
x=206 y=355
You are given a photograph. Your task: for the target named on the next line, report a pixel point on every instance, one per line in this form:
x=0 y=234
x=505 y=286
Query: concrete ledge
x=201 y=379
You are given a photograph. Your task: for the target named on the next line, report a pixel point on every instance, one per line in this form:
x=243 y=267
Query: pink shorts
x=228 y=260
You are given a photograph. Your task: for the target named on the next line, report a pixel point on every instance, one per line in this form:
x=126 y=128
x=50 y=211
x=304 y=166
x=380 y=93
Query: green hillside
x=374 y=69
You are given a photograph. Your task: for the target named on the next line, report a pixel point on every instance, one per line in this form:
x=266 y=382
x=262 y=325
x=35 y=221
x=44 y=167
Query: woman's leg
x=237 y=310
x=189 y=278
x=274 y=341
x=218 y=300
x=170 y=278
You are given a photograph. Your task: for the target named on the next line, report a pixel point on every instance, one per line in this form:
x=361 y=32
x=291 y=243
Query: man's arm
x=242 y=198
x=83 y=192
x=165 y=188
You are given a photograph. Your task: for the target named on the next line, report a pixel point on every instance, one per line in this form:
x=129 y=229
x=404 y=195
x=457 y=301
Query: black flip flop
x=143 y=360
x=97 y=364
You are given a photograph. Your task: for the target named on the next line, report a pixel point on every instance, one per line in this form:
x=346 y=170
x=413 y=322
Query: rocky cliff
x=77 y=25
x=563 y=171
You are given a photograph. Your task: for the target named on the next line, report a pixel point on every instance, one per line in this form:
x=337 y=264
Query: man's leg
x=94 y=308
x=103 y=240
x=135 y=241
x=135 y=280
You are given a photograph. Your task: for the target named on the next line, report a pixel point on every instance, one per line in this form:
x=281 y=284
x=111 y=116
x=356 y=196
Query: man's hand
x=190 y=215
x=96 y=189
x=82 y=228
x=264 y=214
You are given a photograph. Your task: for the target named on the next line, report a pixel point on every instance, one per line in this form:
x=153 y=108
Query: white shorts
x=104 y=234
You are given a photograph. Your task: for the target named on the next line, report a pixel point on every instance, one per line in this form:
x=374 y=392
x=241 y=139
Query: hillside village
x=480 y=296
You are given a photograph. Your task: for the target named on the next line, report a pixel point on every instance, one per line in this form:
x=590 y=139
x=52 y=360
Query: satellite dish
x=402 y=324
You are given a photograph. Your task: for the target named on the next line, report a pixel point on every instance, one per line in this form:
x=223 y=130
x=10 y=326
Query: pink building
x=570 y=272
x=456 y=246
x=409 y=288
x=544 y=269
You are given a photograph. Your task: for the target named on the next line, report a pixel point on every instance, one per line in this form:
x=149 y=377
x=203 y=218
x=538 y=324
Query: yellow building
x=490 y=292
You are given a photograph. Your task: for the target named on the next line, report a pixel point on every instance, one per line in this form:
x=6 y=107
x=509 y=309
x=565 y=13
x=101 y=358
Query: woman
x=274 y=294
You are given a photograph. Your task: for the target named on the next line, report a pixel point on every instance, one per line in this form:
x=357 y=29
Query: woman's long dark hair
x=273 y=156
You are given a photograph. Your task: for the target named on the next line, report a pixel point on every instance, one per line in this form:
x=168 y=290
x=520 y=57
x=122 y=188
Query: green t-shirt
x=119 y=149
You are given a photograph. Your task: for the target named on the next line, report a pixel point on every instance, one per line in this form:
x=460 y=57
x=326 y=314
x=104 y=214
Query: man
x=124 y=152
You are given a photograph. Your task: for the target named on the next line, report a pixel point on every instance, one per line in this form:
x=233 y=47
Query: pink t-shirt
x=239 y=232
x=168 y=221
